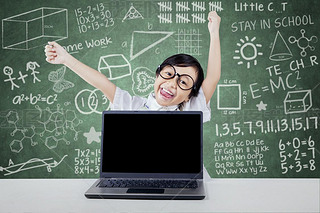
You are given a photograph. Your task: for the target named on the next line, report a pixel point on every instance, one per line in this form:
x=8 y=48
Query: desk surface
x=223 y=195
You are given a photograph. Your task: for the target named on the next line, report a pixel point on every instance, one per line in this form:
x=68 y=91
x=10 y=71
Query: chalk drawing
x=198 y=6
x=280 y=50
x=8 y=71
x=90 y=101
x=188 y=41
x=165 y=6
x=297 y=101
x=198 y=18
x=248 y=51
x=229 y=97
x=34 y=28
x=215 y=6
x=165 y=18
x=22 y=134
x=262 y=106
x=92 y=136
x=114 y=66
x=184 y=12
x=182 y=18
x=132 y=13
x=304 y=42
x=12 y=118
x=22 y=77
x=57 y=123
x=143 y=80
x=57 y=77
x=52 y=142
x=33 y=163
x=150 y=38
x=25 y=135
x=32 y=66
x=16 y=146
x=182 y=6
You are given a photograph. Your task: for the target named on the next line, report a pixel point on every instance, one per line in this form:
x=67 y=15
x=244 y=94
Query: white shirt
x=124 y=101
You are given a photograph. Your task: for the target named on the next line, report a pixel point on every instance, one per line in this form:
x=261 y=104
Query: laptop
x=150 y=155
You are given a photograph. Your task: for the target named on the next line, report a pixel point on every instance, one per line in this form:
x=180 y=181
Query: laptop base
x=145 y=197
x=96 y=192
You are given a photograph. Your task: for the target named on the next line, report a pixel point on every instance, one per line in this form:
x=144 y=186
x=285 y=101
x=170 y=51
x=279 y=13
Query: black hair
x=185 y=60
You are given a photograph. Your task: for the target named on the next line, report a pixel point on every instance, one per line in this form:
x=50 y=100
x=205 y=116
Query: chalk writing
x=297 y=155
x=87 y=161
x=93 y=17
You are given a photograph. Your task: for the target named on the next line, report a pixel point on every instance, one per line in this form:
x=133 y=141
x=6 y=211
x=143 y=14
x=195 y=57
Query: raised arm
x=57 y=55
x=214 y=60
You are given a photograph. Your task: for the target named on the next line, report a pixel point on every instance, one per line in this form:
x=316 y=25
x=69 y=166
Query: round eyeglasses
x=184 y=81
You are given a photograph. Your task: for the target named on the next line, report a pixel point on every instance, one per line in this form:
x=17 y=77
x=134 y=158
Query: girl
x=179 y=84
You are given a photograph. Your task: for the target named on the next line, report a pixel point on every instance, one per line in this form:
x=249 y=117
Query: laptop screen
x=152 y=142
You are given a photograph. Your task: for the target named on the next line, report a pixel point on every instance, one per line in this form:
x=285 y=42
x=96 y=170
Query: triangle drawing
x=280 y=50
x=141 y=41
x=132 y=13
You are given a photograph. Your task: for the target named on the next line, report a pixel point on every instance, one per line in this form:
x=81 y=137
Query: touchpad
x=146 y=191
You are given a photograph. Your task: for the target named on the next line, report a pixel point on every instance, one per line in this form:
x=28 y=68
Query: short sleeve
x=124 y=101
x=199 y=104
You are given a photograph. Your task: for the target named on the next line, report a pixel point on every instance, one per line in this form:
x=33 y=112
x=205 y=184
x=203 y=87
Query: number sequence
x=266 y=126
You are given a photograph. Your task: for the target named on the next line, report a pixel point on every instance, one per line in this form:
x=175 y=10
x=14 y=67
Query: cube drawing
x=114 y=66
x=34 y=28
x=297 y=101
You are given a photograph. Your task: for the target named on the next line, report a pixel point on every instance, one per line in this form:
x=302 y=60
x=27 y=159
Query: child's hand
x=55 y=54
x=214 y=23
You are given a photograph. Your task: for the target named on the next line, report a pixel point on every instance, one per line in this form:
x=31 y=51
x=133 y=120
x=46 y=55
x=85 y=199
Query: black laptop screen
x=152 y=143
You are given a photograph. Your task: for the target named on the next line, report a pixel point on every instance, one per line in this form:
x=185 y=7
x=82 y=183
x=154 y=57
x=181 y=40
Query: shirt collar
x=152 y=104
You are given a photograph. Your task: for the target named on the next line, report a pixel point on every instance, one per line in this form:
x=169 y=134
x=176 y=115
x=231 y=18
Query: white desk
x=223 y=195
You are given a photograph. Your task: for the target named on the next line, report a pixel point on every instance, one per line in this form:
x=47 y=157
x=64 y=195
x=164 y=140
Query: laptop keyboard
x=148 y=183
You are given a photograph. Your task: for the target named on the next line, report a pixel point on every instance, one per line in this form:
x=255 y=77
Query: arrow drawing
x=32 y=164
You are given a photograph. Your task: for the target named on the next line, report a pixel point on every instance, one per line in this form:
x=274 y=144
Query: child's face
x=167 y=92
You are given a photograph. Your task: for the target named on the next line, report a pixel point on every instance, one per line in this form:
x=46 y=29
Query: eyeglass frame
x=176 y=74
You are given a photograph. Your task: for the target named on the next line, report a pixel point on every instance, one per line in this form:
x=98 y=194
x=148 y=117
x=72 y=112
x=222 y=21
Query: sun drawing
x=248 y=51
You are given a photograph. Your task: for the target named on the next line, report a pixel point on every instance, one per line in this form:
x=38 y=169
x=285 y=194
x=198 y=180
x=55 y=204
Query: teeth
x=167 y=91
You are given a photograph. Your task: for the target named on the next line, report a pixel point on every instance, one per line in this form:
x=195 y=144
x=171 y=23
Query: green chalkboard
x=265 y=110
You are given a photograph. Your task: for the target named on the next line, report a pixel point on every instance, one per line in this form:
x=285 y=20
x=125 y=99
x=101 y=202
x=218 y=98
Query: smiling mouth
x=166 y=93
